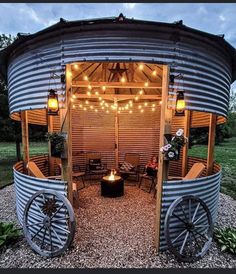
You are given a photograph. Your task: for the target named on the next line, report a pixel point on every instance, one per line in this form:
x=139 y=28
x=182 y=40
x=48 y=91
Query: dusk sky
x=218 y=18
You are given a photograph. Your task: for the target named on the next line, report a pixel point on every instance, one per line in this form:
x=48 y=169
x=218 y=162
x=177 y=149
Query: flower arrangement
x=171 y=150
x=57 y=141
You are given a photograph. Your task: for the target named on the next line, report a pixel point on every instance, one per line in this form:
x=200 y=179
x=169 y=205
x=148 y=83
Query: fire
x=112 y=175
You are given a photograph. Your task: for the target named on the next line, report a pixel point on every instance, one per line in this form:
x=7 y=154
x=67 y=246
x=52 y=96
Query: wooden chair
x=134 y=159
x=194 y=172
x=100 y=172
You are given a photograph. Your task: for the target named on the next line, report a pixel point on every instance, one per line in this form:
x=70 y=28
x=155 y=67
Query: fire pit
x=112 y=186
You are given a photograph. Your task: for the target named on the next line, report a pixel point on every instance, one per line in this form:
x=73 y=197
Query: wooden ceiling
x=116 y=78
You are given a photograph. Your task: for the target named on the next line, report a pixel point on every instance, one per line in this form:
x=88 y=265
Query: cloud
x=130 y=5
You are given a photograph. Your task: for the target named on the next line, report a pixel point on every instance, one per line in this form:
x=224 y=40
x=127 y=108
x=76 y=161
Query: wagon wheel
x=188 y=228
x=49 y=223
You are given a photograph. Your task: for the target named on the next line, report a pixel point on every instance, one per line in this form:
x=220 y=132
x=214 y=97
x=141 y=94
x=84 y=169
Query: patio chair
x=147 y=177
x=94 y=165
x=133 y=159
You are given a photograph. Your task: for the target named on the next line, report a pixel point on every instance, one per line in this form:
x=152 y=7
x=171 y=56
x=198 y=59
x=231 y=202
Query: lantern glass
x=180 y=103
x=53 y=105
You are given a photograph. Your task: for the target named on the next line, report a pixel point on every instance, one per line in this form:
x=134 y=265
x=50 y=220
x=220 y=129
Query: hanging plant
x=57 y=141
x=172 y=149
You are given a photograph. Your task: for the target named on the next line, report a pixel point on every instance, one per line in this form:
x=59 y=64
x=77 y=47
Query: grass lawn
x=225 y=155
x=8 y=158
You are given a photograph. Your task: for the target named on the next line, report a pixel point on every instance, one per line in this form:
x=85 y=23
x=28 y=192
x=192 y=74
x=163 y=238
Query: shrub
x=8 y=233
x=226 y=238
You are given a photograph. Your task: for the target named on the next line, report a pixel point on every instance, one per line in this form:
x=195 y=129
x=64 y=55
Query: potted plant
x=172 y=149
x=57 y=141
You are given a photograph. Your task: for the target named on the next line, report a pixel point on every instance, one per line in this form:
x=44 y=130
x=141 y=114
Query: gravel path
x=112 y=233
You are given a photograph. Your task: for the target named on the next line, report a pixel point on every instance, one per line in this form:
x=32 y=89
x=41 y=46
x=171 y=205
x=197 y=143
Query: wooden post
x=116 y=136
x=165 y=128
x=25 y=138
x=66 y=127
x=211 y=143
x=50 y=129
x=187 y=119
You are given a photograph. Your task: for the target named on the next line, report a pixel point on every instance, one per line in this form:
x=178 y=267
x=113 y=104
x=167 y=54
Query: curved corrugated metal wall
x=207 y=66
x=206 y=188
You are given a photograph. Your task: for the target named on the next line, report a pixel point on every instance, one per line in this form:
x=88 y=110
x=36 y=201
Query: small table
x=112 y=188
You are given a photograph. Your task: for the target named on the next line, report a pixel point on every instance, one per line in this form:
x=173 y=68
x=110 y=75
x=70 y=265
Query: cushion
x=126 y=166
x=95 y=164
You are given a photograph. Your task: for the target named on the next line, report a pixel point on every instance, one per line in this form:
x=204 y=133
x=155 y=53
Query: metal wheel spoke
x=54 y=214
x=61 y=228
x=181 y=220
x=199 y=218
x=62 y=218
x=44 y=200
x=184 y=242
x=39 y=223
x=195 y=212
x=35 y=215
x=200 y=234
x=39 y=208
x=50 y=237
x=196 y=240
x=202 y=225
x=59 y=239
x=37 y=232
x=42 y=244
x=179 y=235
x=186 y=218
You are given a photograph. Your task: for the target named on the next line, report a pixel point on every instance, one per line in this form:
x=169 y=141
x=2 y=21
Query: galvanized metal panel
x=207 y=67
x=207 y=188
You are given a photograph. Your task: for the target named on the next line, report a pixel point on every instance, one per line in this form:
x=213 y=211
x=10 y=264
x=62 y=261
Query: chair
x=89 y=171
x=149 y=178
x=194 y=172
x=134 y=159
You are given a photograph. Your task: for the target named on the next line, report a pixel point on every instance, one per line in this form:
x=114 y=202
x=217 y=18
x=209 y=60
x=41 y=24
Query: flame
x=112 y=175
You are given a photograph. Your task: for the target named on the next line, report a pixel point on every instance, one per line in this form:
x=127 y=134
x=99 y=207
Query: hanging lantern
x=53 y=105
x=180 y=103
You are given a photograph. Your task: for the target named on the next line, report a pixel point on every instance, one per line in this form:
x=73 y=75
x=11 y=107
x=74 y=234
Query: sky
x=215 y=18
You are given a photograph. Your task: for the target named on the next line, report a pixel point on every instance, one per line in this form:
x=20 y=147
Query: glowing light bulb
x=141 y=92
x=96 y=93
x=131 y=111
x=106 y=104
x=88 y=93
x=146 y=84
x=73 y=106
x=76 y=66
x=136 y=98
x=139 y=106
x=96 y=110
x=119 y=111
x=122 y=79
x=160 y=102
x=153 y=105
x=70 y=74
x=154 y=73
x=73 y=96
x=86 y=102
x=107 y=111
x=85 y=78
x=80 y=105
x=102 y=107
x=71 y=99
x=145 y=104
x=130 y=102
x=91 y=107
x=142 y=110
x=153 y=109
x=103 y=88
x=141 y=66
x=100 y=98
x=89 y=87
x=85 y=108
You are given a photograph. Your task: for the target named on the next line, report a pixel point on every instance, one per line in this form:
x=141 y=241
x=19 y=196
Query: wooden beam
x=50 y=129
x=116 y=137
x=211 y=143
x=165 y=128
x=187 y=119
x=81 y=84
x=66 y=127
x=119 y=97
x=25 y=138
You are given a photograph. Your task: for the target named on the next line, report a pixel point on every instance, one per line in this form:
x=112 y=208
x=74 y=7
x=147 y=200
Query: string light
x=88 y=93
x=73 y=96
x=141 y=92
x=87 y=102
x=153 y=109
x=139 y=106
x=136 y=98
x=100 y=98
x=122 y=79
x=91 y=107
x=86 y=78
x=80 y=105
x=142 y=110
x=102 y=107
x=131 y=111
x=96 y=110
x=70 y=74
x=96 y=93
x=106 y=104
x=89 y=87
x=71 y=99
x=73 y=106
x=154 y=73
x=141 y=66
x=85 y=108
x=153 y=105
x=119 y=111
x=160 y=102
x=103 y=88
x=145 y=104
x=76 y=66
x=107 y=111
x=146 y=84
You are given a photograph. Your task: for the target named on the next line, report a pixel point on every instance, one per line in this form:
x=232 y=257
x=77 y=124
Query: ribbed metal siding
x=206 y=66
x=206 y=188
x=25 y=187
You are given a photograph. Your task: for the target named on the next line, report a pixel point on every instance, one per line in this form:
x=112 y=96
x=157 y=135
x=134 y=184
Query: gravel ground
x=112 y=233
